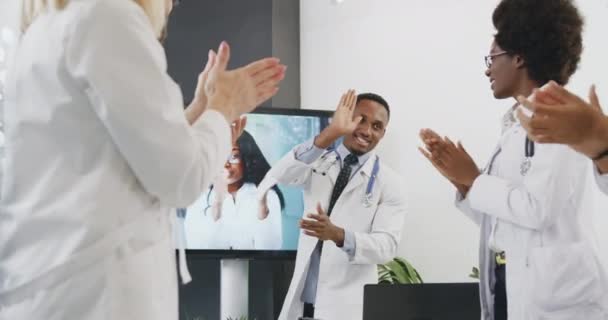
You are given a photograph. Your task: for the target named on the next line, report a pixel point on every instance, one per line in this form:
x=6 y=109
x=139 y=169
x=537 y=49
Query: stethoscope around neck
x=367 y=198
x=529 y=153
x=525 y=165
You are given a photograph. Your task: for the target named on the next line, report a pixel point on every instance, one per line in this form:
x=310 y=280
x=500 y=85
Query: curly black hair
x=547 y=34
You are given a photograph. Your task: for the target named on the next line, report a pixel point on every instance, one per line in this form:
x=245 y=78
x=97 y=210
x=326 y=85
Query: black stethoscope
x=525 y=165
x=529 y=152
x=367 y=198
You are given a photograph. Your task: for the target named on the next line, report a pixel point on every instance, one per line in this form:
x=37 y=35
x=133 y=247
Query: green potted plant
x=474 y=273
x=398 y=271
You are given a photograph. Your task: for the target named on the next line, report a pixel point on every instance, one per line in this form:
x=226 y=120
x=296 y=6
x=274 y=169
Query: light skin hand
x=199 y=103
x=238 y=91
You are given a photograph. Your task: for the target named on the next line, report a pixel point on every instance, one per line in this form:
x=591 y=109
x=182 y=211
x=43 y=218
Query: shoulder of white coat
x=110 y=15
x=103 y=30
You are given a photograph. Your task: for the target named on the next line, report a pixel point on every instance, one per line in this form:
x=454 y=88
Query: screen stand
x=234 y=288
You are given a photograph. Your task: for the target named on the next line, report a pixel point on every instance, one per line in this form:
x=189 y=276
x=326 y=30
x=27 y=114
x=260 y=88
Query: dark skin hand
x=319 y=225
x=451 y=160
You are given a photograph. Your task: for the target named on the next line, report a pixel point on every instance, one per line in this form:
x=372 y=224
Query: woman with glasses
x=537 y=254
x=232 y=214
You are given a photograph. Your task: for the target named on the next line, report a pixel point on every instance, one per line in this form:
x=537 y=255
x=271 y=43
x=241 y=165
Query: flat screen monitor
x=227 y=220
x=428 y=301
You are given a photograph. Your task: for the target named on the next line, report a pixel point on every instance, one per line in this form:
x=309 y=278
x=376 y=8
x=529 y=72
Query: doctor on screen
x=232 y=214
x=354 y=211
x=98 y=151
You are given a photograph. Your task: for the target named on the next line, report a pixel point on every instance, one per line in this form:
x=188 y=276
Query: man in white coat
x=98 y=149
x=337 y=256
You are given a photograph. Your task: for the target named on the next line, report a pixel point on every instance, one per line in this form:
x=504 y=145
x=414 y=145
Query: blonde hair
x=156 y=10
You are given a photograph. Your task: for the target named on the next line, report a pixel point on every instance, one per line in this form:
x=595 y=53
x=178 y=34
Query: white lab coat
x=602 y=181
x=98 y=149
x=239 y=227
x=377 y=231
x=553 y=270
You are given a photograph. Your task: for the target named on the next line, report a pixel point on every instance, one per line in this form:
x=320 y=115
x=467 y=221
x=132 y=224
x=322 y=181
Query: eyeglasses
x=234 y=159
x=490 y=57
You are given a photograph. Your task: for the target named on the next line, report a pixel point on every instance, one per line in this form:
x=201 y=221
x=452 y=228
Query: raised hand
x=342 y=122
x=451 y=160
x=199 y=103
x=562 y=117
x=235 y=92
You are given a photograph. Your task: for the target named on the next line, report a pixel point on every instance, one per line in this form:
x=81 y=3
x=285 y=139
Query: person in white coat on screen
x=537 y=254
x=562 y=117
x=98 y=149
x=231 y=214
x=338 y=254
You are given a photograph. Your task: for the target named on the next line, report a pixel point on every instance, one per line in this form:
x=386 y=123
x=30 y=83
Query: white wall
x=426 y=58
x=9 y=13
x=9 y=19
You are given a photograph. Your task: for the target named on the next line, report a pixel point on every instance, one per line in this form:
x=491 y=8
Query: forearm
x=602 y=138
x=193 y=111
x=326 y=138
x=262 y=212
x=338 y=236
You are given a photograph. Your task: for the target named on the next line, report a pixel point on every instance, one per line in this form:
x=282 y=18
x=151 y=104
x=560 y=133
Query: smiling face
x=505 y=72
x=370 y=129
x=234 y=167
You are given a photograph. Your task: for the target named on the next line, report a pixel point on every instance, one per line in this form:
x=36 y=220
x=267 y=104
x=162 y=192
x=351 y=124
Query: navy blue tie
x=342 y=180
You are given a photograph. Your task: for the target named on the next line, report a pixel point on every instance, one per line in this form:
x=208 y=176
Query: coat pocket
x=564 y=280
